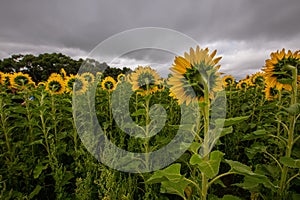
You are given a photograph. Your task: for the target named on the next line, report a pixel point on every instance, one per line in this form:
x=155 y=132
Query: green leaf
x=171 y=188
x=293 y=109
x=194 y=147
x=290 y=162
x=231 y=121
x=139 y=112
x=35 y=192
x=226 y=131
x=171 y=173
x=38 y=170
x=209 y=167
x=254 y=135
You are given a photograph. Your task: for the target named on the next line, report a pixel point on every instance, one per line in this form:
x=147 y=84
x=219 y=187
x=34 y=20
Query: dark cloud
x=244 y=31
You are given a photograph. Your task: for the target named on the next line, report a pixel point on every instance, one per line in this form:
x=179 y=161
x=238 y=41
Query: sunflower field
x=253 y=153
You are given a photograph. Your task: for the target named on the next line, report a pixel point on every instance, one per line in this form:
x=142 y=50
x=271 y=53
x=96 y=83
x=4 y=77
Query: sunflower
x=99 y=75
x=258 y=79
x=145 y=80
x=108 y=84
x=271 y=92
x=41 y=85
x=20 y=80
x=55 y=85
x=63 y=73
x=243 y=84
x=2 y=75
x=69 y=81
x=89 y=77
x=277 y=75
x=228 y=80
x=5 y=80
x=80 y=85
x=193 y=73
x=121 y=77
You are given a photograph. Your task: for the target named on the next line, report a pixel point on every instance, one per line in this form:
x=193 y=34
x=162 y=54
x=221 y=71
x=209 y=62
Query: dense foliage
x=42 y=157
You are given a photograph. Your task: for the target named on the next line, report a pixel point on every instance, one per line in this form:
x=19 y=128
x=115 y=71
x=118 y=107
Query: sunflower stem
x=292 y=123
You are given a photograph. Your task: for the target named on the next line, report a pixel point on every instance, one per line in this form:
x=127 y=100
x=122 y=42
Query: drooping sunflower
x=89 y=77
x=144 y=80
x=277 y=75
x=80 y=85
x=20 y=80
x=193 y=73
x=69 y=81
x=55 y=85
x=108 y=84
x=228 y=81
x=258 y=79
x=121 y=77
x=63 y=73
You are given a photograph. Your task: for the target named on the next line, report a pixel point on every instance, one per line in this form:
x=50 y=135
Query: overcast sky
x=243 y=31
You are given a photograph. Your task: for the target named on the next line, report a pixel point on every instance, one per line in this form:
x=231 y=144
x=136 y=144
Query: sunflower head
x=80 y=85
x=55 y=85
x=228 y=81
x=108 y=84
x=5 y=80
x=243 y=84
x=69 y=82
x=89 y=77
x=144 y=80
x=193 y=73
x=277 y=74
x=121 y=77
x=2 y=78
x=271 y=92
x=41 y=85
x=258 y=79
x=19 y=79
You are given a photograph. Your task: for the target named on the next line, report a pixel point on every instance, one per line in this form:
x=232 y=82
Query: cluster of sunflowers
x=193 y=75
x=274 y=77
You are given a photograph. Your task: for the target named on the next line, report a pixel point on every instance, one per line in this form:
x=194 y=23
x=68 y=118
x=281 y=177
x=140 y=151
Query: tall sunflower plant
x=281 y=77
x=196 y=80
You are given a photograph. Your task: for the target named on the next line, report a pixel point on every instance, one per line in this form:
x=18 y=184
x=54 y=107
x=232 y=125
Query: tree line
x=40 y=67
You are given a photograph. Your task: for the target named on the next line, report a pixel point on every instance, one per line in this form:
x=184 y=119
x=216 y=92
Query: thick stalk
x=292 y=122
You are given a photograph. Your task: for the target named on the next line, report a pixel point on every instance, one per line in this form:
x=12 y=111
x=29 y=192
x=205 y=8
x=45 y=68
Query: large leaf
x=251 y=179
x=171 y=173
x=172 y=182
x=231 y=121
x=254 y=135
x=290 y=162
x=209 y=167
x=174 y=188
x=294 y=109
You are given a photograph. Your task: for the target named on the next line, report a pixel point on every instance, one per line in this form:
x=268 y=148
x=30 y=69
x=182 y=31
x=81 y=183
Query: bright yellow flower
x=63 y=73
x=121 y=77
x=55 y=85
x=276 y=73
x=228 y=81
x=20 y=80
x=69 y=81
x=108 y=84
x=89 y=77
x=145 y=80
x=192 y=73
x=80 y=85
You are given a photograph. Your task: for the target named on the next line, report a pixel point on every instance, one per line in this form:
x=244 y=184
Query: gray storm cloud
x=243 y=31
